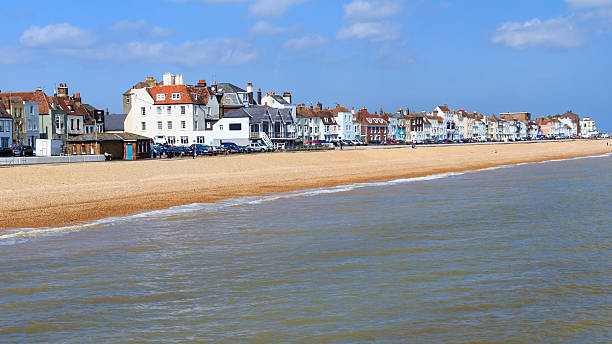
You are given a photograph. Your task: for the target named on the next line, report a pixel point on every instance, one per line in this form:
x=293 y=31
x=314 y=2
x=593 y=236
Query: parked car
x=23 y=151
x=258 y=147
x=6 y=152
x=347 y=142
x=234 y=148
x=173 y=151
x=203 y=149
x=356 y=143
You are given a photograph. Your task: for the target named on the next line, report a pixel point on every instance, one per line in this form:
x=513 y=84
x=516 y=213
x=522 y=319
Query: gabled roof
x=444 y=108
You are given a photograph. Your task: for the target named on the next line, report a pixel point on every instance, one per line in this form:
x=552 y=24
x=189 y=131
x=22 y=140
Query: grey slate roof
x=280 y=99
x=226 y=87
x=259 y=114
x=114 y=122
x=286 y=115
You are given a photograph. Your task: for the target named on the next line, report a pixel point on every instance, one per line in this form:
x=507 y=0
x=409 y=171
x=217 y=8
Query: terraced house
x=6 y=127
x=374 y=128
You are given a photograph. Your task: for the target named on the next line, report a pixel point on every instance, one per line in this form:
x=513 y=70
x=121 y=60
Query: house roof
x=108 y=136
x=226 y=87
x=444 y=108
x=188 y=94
x=279 y=99
x=3 y=112
x=44 y=107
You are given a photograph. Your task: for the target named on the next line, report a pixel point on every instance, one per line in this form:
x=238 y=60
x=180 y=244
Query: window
x=221 y=127
x=176 y=96
x=200 y=139
x=161 y=96
x=143 y=125
x=195 y=96
x=182 y=109
x=235 y=126
x=182 y=124
x=159 y=110
x=171 y=140
x=169 y=109
x=159 y=125
x=184 y=140
x=195 y=125
x=72 y=124
x=143 y=111
x=31 y=109
x=169 y=125
x=127 y=99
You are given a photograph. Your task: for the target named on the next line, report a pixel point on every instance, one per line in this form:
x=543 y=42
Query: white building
x=448 y=116
x=274 y=100
x=588 y=128
x=349 y=127
x=170 y=112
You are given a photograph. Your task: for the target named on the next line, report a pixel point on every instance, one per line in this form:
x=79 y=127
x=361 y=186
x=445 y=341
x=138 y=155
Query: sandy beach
x=57 y=195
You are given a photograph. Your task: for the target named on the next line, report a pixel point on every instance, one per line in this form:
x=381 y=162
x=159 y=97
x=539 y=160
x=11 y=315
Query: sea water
x=518 y=254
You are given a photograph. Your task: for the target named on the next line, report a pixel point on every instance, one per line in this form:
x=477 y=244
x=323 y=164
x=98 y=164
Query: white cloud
x=305 y=43
x=140 y=29
x=265 y=28
x=588 y=3
x=260 y=8
x=374 y=31
x=57 y=35
x=219 y=51
x=371 y=9
x=555 y=33
x=272 y=8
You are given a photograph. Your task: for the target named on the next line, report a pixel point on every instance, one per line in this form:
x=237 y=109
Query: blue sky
x=545 y=56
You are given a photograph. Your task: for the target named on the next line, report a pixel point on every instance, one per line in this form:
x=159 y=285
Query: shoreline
x=62 y=195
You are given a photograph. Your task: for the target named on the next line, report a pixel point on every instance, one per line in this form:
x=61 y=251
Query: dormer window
x=176 y=96
x=161 y=96
x=195 y=96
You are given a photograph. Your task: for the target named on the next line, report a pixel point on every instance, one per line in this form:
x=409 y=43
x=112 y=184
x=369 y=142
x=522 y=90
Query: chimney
x=214 y=87
x=319 y=106
x=201 y=84
x=259 y=96
x=287 y=97
x=38 y=89
x=178 y=79
x=353 y=110
x=151 y=81
x=62 y=90
x=77 y=99
x=168 y=79
x=250 y=92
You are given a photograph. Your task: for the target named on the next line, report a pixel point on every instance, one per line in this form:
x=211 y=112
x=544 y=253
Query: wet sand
x=63 y=194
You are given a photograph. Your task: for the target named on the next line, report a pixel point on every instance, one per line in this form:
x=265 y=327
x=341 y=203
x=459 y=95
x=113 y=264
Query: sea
x=512 y=254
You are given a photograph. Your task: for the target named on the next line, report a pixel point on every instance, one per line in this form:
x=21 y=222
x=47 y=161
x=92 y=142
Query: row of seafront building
x=174 y=113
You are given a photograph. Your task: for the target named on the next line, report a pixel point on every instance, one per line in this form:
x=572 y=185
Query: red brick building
x=374 y=128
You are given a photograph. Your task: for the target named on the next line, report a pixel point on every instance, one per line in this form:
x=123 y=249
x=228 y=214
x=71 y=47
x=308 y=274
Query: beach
x=64 y=194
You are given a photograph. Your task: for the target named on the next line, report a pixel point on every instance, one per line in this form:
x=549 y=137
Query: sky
x=545 y=56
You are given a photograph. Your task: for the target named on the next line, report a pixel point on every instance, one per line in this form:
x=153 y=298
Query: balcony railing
x=275 y=135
